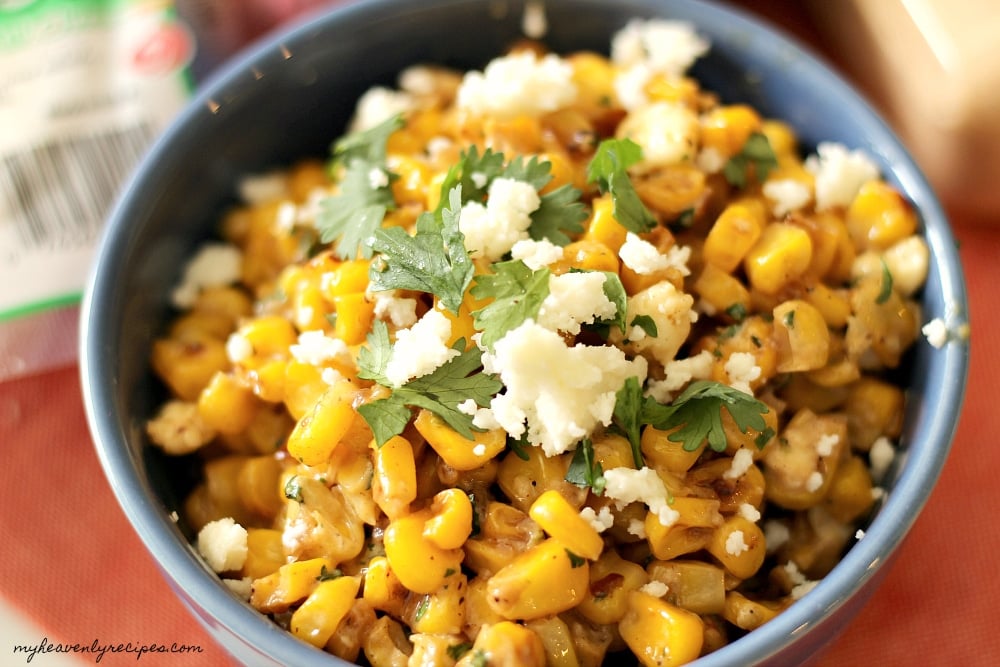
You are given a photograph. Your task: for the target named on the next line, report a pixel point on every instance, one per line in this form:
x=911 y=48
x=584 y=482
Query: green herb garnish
x=609 y=170
x=756 y=153
x=516 y=294
x=584 y=471
x=886 y=290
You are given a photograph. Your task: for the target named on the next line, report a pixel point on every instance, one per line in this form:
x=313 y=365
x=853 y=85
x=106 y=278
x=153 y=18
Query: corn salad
x=555 y=363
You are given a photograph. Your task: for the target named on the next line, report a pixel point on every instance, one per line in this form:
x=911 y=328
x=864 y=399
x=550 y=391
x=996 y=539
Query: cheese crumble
x=839 y=174
x=628 y=485
x=214 y=265
x=518 y=84
x=223 y=545
x=421 y=349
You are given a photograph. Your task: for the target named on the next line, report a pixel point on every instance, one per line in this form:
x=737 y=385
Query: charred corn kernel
x=258 y=482
x=382 y=588
x=672 y=190
x=394 y=485
x=780 y=256
x=612 y=578
x=347 y=641
x=692 y=584
x=506 y=643
x=440 y=612
x=874 y=408
x=265 y=553
x=668 y=542
x=748 y=614
x=269 y=335
x=738 y=544
x=303 y=387
x=457 y=451
x=291 y=584
x=563 y=522
x=661 y=634
x=544 y=580
x=355 y=314
x=803 y=339
x=348 y=277
x=226 y=404
x=187 y=366
x=318 y=432
x=724 y=292
x=451 y=522
x=732 y=491
x=337 y=531
x=524 y=480
x=727 y=128
x=317 y=618
x=386 y=644
x=612 y=451
x=797 y=473
x=732 y=235
x=603 y=226
x=588 y=256
x=420 y=564
x=661 y=452
x=505 y=531
x=879 y=217
x=781 y=136
x=478 y=612
x=832 y=304
x=850 y=493
x=557 y=640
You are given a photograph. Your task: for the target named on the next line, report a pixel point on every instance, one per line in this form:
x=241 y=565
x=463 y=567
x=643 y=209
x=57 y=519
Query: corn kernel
x=317 y=618
x=420 y=564
x=780 y=256
x=731 y=237
x=317 y=433
x=661 y=634
x=394 y=485
x=456 y=450
x=544 y=580
x=562 y=521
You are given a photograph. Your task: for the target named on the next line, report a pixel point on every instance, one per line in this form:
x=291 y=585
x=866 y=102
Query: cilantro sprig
x=516 y=294
x=696 y=414
x=350 y=217
x=440 y=391
x=433 y=260
x=609 y=170
x=756 y=152
x=584 y=471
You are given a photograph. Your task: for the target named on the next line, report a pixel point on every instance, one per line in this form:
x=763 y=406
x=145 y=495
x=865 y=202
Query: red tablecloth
x=74 y=566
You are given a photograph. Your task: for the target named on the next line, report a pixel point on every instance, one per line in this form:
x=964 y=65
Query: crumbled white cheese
x=742 y=369
x=786 y=195
x=670 y=310
x=859 y=534
x=536 y=254
x=826 y=443
x=600 y=521
x=420 y=349
x=331 y=376
x=655 y=588
x=641 y=256
x=748 y=512
x=574 y=299
x=630 y=85
x=238 y=348
x=877 y=493
x=286 y=216
x=668 y=47
x=241 y=588
x=678 y=373
x=479 y=450
x=936 y=332
x=880 y=457
x=492 y=230
x=839 y=174
x=742 y=460
x=316 y=348
x=555 y=393
x=637 y=527
x=417 y=80
x=518 y=84
x=908 y=261
x=377 y=178
x=377 y=105
x=467 y=407
x=710 y=160
x=400 y=311
x=223 y=544
x=667 y=131
x=736 y=543
x=636 y=334
x=801 y=585
x=776 y=534
x=213 y=265
x=814 y=481
x=258 y=189
x=178 y=428
x=628 y=485
x=294 y=533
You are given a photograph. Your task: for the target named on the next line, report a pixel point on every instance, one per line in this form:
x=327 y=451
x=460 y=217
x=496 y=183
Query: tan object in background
x=932 y=69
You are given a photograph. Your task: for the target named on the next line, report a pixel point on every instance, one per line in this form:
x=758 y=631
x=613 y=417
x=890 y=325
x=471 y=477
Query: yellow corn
x=563 y=522
x=522 y=481
x=258 y=482
x=586 y=255
x=832 y=304
x=874 y=408
x=612 y=578
x=317 y=433
x=672 y=190
x=305 y=176
x=603 y=226
x=420 y=565
x=505 y=643
x=802 y=336
x=738 y=544
x=666 y=88
x=269 y=335
x=439 y=612
x=748 y=614
x=727 y=128
x=386 y=644
x=879 y=217
x=478 y=612
x=411 y=184
x=394 y=485
x=347 y=277
x=382 y=588
x=266 y=377
x=850 y=493
x=292 y=583
x=227 y=405
x=748 y=488
x=434 y=650
x=692 y=584
x=355 y=314
x=780 y=256
x=661 y=634
x=668 y=542
x=731 y=237
x=196 y=324
x=797 y=475
x=781 y=136
x=187 y=366
x=451 y=522
x=347 y=641
x=724 y=292
x=505 y=531
x=303 y=387
x=317 y=618
x=546 y=579
x=457 y=451
x=557 y=641
x=265 y=553
x=661 y=452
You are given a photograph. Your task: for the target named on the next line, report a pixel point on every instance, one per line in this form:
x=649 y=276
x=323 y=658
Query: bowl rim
x=201 y=588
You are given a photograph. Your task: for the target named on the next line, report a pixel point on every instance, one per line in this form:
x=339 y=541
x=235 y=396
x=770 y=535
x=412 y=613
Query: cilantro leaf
x=886 y=290
x=387 y=417
x=609 y=170
x=559 y=212
x=535 y=173
x=697 y=414
x=474 y=173
x=584 y=471
x=574 y=560
x=646 y=323
x=628 y=414
x=517 y=293
x=350 y=217
x=756 y=152
x=374 y=357
x=293 y=490
x=434 y=260
x=614 y=290
x=327 y=575
x=456 y=651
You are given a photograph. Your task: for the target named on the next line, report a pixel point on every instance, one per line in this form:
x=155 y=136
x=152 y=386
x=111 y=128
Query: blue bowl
x=290 y=95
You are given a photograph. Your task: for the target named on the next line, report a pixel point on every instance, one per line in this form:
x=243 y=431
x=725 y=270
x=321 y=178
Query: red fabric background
x=74 y=566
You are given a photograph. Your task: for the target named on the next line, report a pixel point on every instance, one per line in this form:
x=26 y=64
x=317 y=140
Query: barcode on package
x=57 y=194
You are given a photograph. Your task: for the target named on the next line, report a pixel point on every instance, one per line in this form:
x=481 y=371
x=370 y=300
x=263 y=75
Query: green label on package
x=85 y=86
